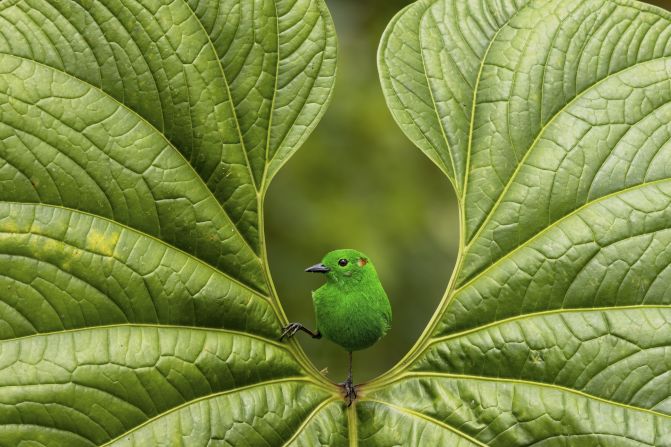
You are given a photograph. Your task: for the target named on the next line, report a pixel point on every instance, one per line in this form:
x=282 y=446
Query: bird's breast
x=353 y=322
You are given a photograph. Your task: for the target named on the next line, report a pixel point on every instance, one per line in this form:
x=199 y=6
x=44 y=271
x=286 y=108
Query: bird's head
x=345 y=266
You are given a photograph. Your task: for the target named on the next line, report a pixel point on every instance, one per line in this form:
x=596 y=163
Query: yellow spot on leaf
x=102 y=243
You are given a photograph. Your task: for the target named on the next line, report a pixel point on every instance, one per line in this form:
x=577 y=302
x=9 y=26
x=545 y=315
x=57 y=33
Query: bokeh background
x=358 y=182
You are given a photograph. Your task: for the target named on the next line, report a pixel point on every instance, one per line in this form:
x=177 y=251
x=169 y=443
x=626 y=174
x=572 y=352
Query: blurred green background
x=359 y=183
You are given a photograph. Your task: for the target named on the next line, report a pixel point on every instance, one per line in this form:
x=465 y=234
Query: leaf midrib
x=140 y=233
x=308 y=419
x=565 y=389
x=272 y=102
x=157 y=132
x=456 y=174
x=530 y=315
x=474 y=101
x=553 y=225
x=243 y=146
x=205 y=398
x=538 y=137
x=159 y=326
x=417 y=414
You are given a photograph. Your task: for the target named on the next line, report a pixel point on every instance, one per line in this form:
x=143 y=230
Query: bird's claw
x=350 y=391
x=290 y=330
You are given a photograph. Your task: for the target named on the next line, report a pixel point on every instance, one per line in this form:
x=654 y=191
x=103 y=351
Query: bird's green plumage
x=352 y=308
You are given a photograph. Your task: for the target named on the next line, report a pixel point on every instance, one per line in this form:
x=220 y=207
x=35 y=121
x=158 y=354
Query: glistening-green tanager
x=351 y=309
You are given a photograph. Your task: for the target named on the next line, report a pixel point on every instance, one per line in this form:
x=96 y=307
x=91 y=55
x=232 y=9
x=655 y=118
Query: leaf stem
x=352 y=431
x=423 y=340
x=294 y=347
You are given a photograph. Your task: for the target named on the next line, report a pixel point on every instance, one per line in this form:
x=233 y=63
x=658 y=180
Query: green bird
x=351 y=309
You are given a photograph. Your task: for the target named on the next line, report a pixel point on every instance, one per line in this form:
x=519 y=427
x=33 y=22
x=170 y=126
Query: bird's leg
x=348 y=385
x=291 y=329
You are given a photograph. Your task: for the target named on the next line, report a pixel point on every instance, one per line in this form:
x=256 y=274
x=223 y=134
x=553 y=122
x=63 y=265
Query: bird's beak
x=318 y=268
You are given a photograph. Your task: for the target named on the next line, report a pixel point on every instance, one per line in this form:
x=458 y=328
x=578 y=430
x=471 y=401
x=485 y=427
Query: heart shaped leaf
x=551 y=119
x=137 y=141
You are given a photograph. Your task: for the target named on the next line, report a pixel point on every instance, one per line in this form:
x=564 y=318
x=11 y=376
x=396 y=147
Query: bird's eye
x=342 y=262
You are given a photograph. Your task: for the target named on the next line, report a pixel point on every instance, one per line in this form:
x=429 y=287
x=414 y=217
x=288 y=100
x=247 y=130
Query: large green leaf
x=551 y=118
x=137 y=141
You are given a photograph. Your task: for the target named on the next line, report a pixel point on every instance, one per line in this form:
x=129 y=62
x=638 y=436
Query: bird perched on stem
x=351 y=309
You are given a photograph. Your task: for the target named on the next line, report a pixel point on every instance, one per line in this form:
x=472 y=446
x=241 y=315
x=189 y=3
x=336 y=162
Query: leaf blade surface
x=557 y=306
x=137 y=141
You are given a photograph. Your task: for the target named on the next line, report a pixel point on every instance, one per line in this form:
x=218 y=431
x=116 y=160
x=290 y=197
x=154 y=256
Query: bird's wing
x=387 y=317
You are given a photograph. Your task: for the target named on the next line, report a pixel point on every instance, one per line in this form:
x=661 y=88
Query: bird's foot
x=350 y=391
x=290 y=330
